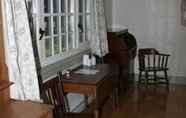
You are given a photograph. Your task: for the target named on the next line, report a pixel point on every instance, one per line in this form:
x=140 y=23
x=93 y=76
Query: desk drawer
x=80 y=88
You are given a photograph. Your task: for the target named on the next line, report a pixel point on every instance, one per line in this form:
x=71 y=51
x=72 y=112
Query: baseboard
x=179 y=80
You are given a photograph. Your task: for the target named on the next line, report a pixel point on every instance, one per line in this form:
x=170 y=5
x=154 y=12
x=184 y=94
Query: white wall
x=155 y=23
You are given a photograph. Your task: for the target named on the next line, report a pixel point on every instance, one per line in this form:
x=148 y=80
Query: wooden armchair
x=150 y=63
x=54 y=94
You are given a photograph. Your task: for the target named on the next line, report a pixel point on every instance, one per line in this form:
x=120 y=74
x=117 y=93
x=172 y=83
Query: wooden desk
x=26 y=109
x=99 y=85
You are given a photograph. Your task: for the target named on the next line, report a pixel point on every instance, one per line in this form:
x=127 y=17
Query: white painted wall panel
x=155 y=23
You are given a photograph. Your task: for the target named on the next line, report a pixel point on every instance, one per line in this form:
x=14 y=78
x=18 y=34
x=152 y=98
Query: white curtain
x=19 y=52
x=99 y=43
x=183 y=12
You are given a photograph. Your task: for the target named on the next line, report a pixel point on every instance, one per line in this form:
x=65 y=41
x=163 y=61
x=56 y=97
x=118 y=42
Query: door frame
x=3 y=67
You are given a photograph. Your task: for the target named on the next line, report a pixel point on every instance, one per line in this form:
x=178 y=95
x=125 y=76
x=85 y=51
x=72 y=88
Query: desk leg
x=115 y=98
x=86 y=101
x=96 y=113
x=119 y=81
x=97 y=110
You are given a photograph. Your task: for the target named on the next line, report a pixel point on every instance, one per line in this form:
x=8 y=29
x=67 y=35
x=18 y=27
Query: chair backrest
x=54 y=94
x=150 y=57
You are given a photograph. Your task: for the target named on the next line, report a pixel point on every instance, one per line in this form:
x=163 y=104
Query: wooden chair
x=150 y=63
x=54 y=94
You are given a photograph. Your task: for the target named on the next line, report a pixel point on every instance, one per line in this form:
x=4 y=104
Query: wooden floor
x=149 y=102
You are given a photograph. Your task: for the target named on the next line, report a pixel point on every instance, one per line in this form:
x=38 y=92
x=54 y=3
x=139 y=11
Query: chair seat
x=154 y=69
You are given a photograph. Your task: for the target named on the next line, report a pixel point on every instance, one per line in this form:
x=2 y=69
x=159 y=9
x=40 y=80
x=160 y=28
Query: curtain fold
x=98 y=43
x=19 y=52
x=183 y=12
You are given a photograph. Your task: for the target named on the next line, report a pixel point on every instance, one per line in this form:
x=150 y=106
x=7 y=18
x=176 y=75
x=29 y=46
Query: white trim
x=63 y=72
x=76 y=26
x=4 y=29
x=59 y=21
x=178 y=80
x=61 y=56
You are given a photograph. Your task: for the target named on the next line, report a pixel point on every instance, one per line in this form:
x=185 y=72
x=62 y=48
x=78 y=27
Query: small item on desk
x=87 y=71
x=93 y=60
x=89 y=60
x=67 y=73
x=86 y=61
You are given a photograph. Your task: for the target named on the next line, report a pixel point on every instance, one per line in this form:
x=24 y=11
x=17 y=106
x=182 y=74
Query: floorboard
x=150 y=101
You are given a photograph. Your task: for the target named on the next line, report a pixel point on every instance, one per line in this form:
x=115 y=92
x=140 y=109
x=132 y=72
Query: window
x=67 y=25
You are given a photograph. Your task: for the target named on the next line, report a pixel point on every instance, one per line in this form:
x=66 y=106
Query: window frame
x=39 y=16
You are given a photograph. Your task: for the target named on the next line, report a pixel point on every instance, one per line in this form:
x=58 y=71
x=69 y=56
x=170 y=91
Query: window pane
x=55 y=6
x=47 y=4
x=71 y=23
x=48 y=47
x=70 y=40
x=47 y=26
x=87 y=35
x=63 y=43
x=81 y=37
x=63 y=28
x=87 y=4
x=56 y=45
x=80 y=24
x=55 y=25
x=71 y=6
x=62 y=6
x=81 y=6
x=88 y=22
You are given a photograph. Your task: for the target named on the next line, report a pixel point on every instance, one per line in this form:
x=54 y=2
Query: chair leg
x=166 y=77
x=86 y=101
x=66 y=105
x=139 y=77
x=146 y=77
x=155 y=77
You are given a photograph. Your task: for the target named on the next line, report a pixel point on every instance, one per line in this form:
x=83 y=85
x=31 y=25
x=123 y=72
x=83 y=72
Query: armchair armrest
x=162 y=54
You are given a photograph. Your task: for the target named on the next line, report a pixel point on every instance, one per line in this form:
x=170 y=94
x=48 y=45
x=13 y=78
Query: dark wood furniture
x=122 y=50
x=101 y=85
x=55 y=95
x=20 y=109
x=4 y=92
x=150 y=63
x=122 y=47
x=26 y=109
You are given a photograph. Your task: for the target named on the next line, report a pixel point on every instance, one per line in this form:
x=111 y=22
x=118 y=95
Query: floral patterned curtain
x=19 y=52
x=99 y=43
x=183 y=12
